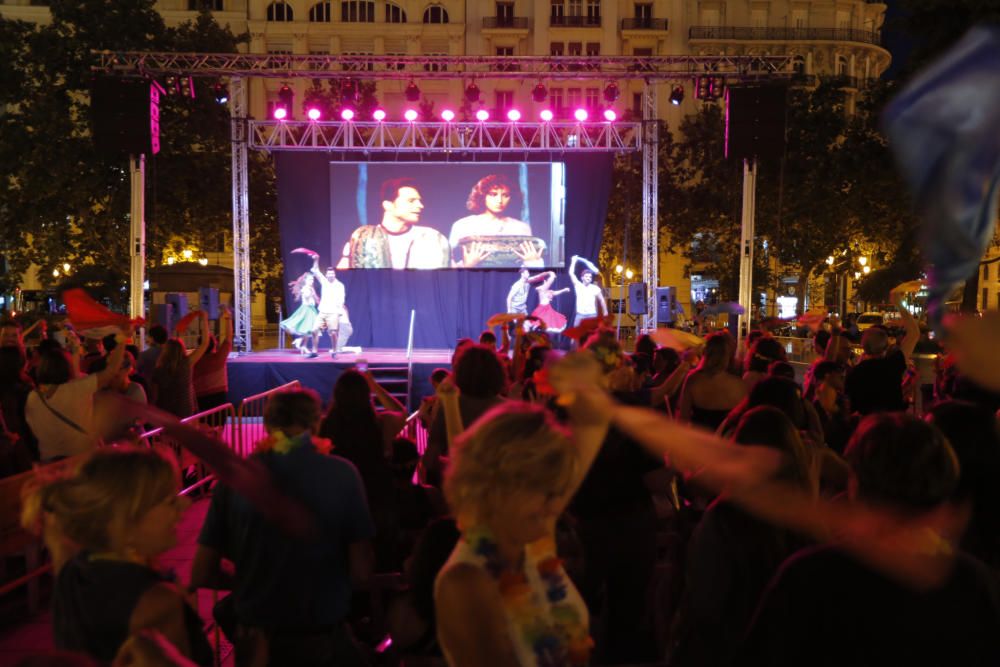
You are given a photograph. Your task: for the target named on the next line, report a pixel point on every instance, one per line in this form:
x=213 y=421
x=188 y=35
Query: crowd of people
x=689 y=505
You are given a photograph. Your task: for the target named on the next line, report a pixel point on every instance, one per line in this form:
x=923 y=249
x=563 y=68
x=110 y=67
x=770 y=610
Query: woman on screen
x=300 y=323
x=489 y=201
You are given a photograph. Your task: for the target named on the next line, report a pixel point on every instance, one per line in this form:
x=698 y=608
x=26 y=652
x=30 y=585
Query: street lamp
x=629 y=274
x=862 y=260
x=66 y=267
x=619 y=268
x=829 y=260
x=866 y=270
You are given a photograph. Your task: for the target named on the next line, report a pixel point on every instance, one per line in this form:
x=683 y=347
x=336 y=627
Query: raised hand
x=474 y=253
x=528 y=252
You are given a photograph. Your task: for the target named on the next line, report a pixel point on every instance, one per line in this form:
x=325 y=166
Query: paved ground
x=34 y=634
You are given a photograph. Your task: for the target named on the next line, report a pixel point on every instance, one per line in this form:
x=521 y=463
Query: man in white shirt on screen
x=331 y=305
x=589 y=297
x=397 y=242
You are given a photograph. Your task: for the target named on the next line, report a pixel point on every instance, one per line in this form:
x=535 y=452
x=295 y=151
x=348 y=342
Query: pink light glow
x=610 y=115
x=513 y=115
x=410 y=115
x=347 y=114
x=580 y=115
x=447 y=115
x=280 y=113
x=482 y=115
x=547 y=115
x=313 y=113
x=379 y=115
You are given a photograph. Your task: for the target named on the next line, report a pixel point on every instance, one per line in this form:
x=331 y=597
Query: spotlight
x=286 y=95
x=482 y=115
x=547 y=115
x=677 y=95
x=539 y=92
x=472 y=92
x=280 y=113
x=221 y=92
x=513 y=115
x=348 y=91
x=379 y=115
x=347 y=114
x=410 y=115
x=611 y=92
x=610 y=115
x=447 y=115
x=412 y=92
x=313 y=113
x=580 y=115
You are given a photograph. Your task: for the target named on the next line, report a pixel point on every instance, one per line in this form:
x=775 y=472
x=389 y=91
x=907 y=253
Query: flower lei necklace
x=279 y=443
x=551 y=627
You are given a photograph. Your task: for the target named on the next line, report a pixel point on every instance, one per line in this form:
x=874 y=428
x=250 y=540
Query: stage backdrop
x=449 y=304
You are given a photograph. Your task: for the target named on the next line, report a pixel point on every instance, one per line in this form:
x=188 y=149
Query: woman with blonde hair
x=503 y=598
x=105 y=522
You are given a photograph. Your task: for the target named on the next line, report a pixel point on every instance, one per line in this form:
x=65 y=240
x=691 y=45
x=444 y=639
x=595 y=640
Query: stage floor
x=257 y=372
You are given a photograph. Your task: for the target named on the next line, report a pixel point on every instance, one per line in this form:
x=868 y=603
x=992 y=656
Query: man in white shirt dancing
x=331 y=306
x=517 y=297
x=589 y=297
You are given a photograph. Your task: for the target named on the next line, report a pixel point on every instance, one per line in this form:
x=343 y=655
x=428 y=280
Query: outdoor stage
x=258 y=372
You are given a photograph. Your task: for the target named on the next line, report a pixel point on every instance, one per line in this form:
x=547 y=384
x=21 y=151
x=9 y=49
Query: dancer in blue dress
x=301 y=323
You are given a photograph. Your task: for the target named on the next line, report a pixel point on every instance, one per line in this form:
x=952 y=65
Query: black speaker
x=637 y=299
x=178 y=301
x=125 y=116
x=208 y=301
x=666 y=305
x=755 y=122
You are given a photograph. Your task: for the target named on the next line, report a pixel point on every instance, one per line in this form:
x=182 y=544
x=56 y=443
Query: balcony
x=505 y=23
x=644 y=24
x=575 y=21
x=786 y=34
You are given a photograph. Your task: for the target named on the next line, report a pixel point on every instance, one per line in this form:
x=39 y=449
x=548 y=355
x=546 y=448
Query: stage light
x=347 y=114
x=379 y=115
x=611 y=92
x=610 y=115
x=547 y=115
x=412 y=92
x=482 y=115
x=539 y=92
x=513 y=115
x=580 y=115
x=221 y=92
x=348 y=91
x=286 y=95
x=313 y=113
x=472 y=92
x=280 y=113
x=677 y=95
x=410 y=115
x=447 y=115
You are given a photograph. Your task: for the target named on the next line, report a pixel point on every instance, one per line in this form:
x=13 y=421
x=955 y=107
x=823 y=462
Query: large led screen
x=456 y=215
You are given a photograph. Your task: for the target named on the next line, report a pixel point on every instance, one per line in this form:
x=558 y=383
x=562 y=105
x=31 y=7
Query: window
x=279 y=11
x=642 y=52
x=593 y=48
x=395 y=65
x=506 y=52
x=843 y=19
x=557 y=9
x=394 y=13
x=504 y=100
x=435 y=14
x=357 y=67
x=800 y=18
x=799 y=65
x=575 y=49
x=574 y=97
x=593 y=12
x=198 y=5
x=557 y=102
x=592 y=98
x=557 y=49
x=357 y=11
x=986 y=272
x=644 y=11
x=758 y=18
x=637 y=105
x=709 y=17
x=436 y=67
x=575 y=8
x=505 y=13
x=842 y=66
x=279 y=51
x=320 y=13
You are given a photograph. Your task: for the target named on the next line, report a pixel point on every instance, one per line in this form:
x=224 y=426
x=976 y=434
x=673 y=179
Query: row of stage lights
x=411 y=115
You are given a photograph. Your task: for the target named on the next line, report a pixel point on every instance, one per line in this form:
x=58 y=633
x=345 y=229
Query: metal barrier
x=415 y=430
x=250 y=418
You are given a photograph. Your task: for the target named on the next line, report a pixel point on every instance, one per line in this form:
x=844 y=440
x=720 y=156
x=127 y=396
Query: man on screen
x=397 y=242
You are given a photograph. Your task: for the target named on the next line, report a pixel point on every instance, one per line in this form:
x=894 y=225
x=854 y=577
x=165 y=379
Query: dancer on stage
x=300 y=323
x=589 y=297
x=552 y=319
x=331 y=306
x=517 y=297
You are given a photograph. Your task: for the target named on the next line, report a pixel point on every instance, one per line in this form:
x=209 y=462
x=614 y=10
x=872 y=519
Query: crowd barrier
x=250 y=418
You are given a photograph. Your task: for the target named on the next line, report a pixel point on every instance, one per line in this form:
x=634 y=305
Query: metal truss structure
x=285 y=66
x=460 y=138
x=526 y=138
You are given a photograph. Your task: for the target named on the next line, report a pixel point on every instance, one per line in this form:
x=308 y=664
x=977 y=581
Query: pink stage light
x=482 y=115
x=580 y=115
x=447 y=115
x=347 y=114
x=379 y=115
x=547 y=115
x=313 y=113
x=610 y=115
x=410 y=115
x=280 y=113
x=513 y=115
